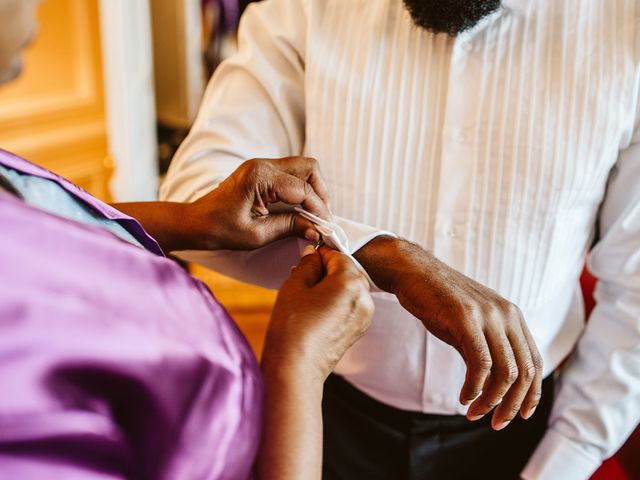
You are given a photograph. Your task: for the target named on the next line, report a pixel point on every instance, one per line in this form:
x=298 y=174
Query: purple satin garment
x=230 y=10
x=114 y=362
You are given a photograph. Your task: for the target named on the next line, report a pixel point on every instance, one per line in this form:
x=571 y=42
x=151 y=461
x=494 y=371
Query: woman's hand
x=235 y=216
x=322 y=309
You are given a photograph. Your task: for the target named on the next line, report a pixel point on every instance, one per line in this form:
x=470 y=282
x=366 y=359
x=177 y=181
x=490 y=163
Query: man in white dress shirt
x=504 y=139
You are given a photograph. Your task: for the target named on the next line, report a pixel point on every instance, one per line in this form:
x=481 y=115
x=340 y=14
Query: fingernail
x=308 y=250
x=501 y=426
x=531 y=411
x=292 y=270
x=311 y=235
x=473 y=418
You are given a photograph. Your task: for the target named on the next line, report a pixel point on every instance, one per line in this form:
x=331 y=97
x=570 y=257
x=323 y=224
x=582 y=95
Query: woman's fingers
x=280 y=186
x=307 y=169
x=310 y=270
x=338 y=264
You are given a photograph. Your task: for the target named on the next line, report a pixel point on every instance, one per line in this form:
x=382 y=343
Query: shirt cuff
x=359 y=234
x=560 y=457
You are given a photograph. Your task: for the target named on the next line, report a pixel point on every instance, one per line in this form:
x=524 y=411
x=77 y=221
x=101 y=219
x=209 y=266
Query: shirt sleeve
x=254 y=107
x=598 y=402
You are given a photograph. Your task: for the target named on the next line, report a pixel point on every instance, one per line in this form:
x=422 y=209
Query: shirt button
x=467 y=46
x=459 y=136
x=437 y=399
x=450 y=231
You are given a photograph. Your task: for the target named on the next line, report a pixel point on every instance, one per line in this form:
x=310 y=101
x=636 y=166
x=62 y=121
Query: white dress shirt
x=505 y=151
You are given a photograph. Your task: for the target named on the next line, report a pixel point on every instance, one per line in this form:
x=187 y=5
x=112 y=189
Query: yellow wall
x=54 y=113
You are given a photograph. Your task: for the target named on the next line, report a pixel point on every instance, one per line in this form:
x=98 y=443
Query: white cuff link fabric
x=334 y=237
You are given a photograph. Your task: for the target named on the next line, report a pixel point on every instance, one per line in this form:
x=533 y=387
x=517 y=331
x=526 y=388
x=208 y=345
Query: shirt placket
x=451 y=229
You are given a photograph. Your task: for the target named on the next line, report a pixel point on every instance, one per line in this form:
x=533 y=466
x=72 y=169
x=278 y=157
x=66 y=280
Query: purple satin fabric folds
x=114 y=362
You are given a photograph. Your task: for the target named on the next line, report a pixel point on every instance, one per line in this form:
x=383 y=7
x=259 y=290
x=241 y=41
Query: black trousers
x=368 y=440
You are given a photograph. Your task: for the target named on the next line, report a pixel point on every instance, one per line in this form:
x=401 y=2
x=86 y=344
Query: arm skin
x=170 y=223
x=292 y=440
x=504 y=368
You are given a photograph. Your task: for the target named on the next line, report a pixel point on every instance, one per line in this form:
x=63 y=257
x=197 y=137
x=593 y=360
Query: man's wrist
x=389 y=261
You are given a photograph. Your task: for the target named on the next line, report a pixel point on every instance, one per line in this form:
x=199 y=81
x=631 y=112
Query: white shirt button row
x=451 y=231
x=459 y=136
x=467 y=46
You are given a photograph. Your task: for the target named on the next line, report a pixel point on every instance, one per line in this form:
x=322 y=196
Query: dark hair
x=450 y=16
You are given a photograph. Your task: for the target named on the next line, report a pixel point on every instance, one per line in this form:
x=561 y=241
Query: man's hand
x=236 y=216
x=504 y=368
x=322 y=309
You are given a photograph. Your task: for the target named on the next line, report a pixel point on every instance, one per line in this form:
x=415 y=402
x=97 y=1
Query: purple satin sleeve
x=114 y=362
x=25 y=167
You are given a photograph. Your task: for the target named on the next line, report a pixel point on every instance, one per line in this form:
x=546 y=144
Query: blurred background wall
x=108 y=92
x=55 y=114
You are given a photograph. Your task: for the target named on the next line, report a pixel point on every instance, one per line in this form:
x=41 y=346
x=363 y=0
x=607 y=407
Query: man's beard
x=450 y=16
